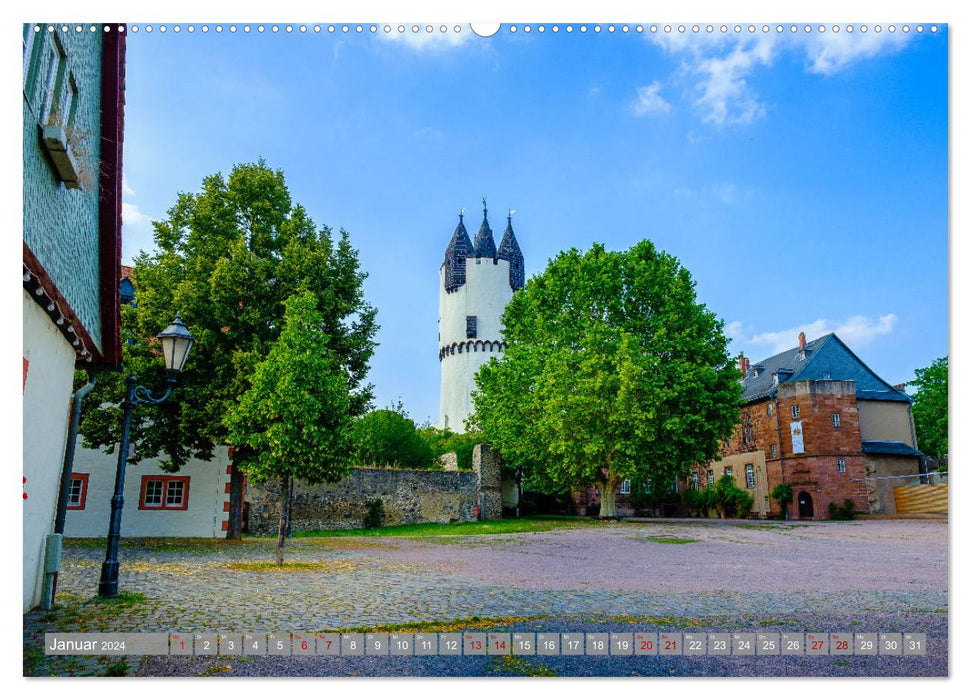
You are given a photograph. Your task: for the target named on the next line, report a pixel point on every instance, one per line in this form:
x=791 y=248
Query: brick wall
x=815 y=470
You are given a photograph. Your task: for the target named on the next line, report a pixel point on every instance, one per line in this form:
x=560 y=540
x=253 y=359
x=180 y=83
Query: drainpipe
x=52 y=553
x=778 y=429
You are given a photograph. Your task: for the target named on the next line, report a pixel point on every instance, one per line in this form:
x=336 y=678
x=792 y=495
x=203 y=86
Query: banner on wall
x=796 y=429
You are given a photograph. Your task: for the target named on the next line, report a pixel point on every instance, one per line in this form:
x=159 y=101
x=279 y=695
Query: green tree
x=442 y=441
x=729 y=499
x=295 y=419
x=613 y=371
x=930 y=408
x=783 y=494
x=388 y=437
x=228 y=257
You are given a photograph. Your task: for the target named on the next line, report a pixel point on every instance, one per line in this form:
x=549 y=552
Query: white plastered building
x=476 y=281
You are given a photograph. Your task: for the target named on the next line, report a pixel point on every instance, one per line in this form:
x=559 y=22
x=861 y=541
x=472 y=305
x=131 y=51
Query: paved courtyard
x=874 y=575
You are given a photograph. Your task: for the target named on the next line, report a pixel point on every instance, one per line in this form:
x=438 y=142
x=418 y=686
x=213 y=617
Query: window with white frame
x=750 y=476
x=728 y=471
x=769 y=409
x=164 y=493
x=836 y=420
x=711 y=477
x=773 y=450
x=78 y=492
x=625 y=486
x=694 y=480
x=841 y=466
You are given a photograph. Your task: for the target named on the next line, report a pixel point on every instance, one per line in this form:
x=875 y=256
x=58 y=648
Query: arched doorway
x=805 y=506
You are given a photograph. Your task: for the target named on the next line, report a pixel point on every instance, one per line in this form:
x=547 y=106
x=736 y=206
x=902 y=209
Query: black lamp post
x=176 y=342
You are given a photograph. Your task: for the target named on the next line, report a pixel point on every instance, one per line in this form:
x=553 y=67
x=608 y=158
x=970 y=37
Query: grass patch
x=345 y=565
x=123 y=600
x=479 y=527
x=768 y=526
x=118 y=668
x=517 y=666
x=773 y=622
x=841 y=662
x=216 y=670
x=671 y=622
x=77 y=614
x=33 y=659
x=458 y=625
x=668 y=540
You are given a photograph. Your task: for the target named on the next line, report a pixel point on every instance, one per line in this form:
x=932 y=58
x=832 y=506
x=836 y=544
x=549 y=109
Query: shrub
x=387 y=437
x=842 y=512
x=730 y=499
x=783 y=494
x=696 y=501
x=374 y=515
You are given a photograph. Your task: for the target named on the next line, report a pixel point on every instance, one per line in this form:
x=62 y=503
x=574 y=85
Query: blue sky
x=802 y=179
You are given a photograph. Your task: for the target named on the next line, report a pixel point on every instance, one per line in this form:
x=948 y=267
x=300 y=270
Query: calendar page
x=464 y=349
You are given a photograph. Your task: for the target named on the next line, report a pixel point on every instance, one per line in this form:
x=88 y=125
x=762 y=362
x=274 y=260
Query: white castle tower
x=476 y=281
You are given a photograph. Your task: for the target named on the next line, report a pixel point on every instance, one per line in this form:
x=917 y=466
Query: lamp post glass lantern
x=176 y=343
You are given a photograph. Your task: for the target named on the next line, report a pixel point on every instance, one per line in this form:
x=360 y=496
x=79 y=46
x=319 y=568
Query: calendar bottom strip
x=489 y=644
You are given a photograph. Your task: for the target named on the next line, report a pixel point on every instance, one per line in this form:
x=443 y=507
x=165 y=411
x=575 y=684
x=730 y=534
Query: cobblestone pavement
x=747 y=572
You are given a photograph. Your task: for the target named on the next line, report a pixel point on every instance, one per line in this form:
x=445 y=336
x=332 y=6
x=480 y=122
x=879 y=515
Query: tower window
x=795 y=412
x=841 y=466
x=836 y=420
x=470 y=327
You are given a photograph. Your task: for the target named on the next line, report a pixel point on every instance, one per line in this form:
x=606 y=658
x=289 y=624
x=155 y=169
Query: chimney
x=743 y=365
x=802 y=345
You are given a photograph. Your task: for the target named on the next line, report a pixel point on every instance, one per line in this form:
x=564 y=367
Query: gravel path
x=875 y=576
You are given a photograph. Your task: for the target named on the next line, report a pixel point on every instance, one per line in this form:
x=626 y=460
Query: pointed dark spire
x=459 y=248
x=509 y=250
x=485 y=245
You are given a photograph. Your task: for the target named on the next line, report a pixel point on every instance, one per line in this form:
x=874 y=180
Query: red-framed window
x=77 y=495
x=164 y=493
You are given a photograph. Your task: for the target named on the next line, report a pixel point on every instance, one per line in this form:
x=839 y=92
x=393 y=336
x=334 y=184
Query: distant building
x=476 y=281
x=73 y=117
x=816 y=417
x=191 y=503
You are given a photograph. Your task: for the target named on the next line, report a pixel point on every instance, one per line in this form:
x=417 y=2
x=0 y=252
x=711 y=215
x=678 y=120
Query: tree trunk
x=234 y=531
x=608 y=495
x=281 y=537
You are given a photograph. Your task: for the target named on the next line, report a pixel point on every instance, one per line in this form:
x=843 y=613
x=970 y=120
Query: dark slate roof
x=509 y=250
x=459 y=248
x=827 y=357
x=889 y=447
x=485 y=244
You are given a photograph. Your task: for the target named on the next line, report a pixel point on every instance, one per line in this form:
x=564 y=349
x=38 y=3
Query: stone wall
x=409 y=496
x=487 y=463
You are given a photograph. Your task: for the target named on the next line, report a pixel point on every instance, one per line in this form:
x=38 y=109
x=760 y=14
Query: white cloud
x=429 y=132
x=734 y=329
x=720 y=190
x=855 y=331
x=423 y=40
x=126 y=189
x=717 y=66
x=726 y=96
x=131 y=215
x=830 y=52
x=649 y=101
x=717 y=69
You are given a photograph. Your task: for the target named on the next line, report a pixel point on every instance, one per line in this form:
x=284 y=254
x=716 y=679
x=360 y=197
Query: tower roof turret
x=459 y=248
x=485 y=245
x=509 y=250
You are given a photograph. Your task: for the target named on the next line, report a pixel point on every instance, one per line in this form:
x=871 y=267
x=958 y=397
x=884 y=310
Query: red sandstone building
x=816 y=417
